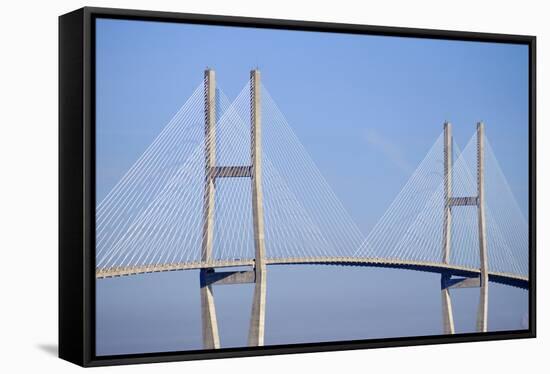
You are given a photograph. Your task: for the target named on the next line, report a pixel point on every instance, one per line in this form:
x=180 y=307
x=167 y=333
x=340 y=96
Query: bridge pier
x=446 y=302
x=447 y=309
x=479 y=201
x=256 y=331
x=209 y=277
x=210 y=334
x=257 y=318
x=482 y=230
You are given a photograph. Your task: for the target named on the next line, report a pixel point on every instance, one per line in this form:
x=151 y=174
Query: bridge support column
x=446 y=302
x=479 y=201
x=447 y=309
x=208 y=276
x=482 y=232
x=257 y=317
x=210 y=334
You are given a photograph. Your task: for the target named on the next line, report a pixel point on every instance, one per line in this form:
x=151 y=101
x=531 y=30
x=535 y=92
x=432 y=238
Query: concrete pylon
x=257 y=317
x=446 y=302
x=208 y=276
x=210 y=334
x=478 y=201
x=482 y=232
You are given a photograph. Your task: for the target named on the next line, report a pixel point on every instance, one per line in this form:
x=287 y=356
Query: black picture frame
x=77 y=185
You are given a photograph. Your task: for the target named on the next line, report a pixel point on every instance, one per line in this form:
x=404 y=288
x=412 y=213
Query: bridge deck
x=432 y=267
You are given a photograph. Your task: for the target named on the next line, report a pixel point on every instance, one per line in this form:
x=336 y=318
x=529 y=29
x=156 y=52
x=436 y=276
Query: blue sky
x=379 y=102
x=380 y=99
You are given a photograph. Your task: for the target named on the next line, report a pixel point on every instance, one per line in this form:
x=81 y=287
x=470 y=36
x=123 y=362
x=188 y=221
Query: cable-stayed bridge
x=228 y=184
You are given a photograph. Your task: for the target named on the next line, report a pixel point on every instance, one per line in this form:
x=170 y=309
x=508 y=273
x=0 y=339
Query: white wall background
x=28 y=183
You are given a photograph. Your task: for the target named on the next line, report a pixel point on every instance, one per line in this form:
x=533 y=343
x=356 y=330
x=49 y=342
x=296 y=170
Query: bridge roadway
x=425 y=266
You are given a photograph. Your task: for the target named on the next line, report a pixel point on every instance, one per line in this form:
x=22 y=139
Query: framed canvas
x=235 y=186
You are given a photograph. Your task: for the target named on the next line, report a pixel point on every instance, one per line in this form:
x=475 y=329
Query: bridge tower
x=210 y=335
x=450 y=202
x=208 y=276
